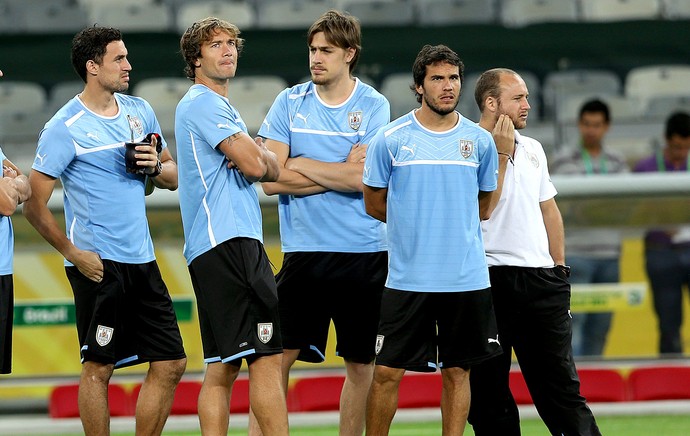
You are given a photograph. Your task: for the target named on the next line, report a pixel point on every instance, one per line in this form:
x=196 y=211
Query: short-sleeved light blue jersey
x=104 y=205
x=433 y=181
x=216 y=203
x=6 y=238
x=330 y=221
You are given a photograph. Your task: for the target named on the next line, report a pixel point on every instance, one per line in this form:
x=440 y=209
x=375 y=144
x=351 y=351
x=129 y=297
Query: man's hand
x=89 y=264
x=8 y=172
x=358 y=153
x=504 y=135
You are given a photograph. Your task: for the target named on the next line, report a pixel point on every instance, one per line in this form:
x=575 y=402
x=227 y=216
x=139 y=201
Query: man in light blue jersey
x=335 y=259
x=430 y=175
x=124 y=313
x=14 y=190
x=232 y=277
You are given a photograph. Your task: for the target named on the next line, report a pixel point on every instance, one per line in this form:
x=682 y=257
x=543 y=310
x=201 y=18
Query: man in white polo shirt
x=524 y=246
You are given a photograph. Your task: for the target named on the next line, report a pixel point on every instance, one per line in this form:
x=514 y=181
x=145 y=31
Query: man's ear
x=91 y=67
x=491 y=103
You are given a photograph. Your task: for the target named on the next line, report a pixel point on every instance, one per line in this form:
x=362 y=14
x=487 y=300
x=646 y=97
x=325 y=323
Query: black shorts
x=6 y=315
x=317 y=287
x=237 y=302
x=126 y=319
x=419 y=329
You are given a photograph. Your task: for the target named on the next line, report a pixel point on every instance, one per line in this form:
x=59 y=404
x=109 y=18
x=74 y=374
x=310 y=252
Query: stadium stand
x=445 y=12
x=659 y=107
x=659 y=383
x=253 y=96
x=163 y=93
x=240 y=14
x=616 y=10
x=132 y=17
x=561 y=85
x=185 y=400
x=52 y=16
x=623 y=109
x=675 y=9
x=311 y=394
x=291 y=14
x=381 y=13
x=63 y=401
x=396 y=88
x=418 y=390
x=602 y=385
x=518 y=13
x=645 y=82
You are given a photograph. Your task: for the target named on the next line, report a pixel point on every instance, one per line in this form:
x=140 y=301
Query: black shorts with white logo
x=127 y=318
x=317 y=287
x=6 y=316
x=420 y=331
x=237 y=302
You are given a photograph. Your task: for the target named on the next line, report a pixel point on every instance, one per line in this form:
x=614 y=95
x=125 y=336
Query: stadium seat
x=64 y=401
x=518 y=13
x=676 y=9
x=62 y=92
x=659 y=383
x=238 y=13
x=19 y=96
x=451 y=12
x=381 y=13
x=53 y=16
x=185 y=400
x=620 y=10
x=467 y=105
x=132 y=17
x=396 y=88
x=602 y=385
x=649 y=81
x=291 y=14
x=420 y=390
x=561 y=85
x=518 y=387
x=163 y=93
x=239 y=400
x=253 y=96
x=622 y=108
x=311 y=394
x=660 y=107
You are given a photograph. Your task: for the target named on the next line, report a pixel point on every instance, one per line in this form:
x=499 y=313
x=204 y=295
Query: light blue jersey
x=104 y=205
x=433 y=180
x=217 y=203
x=6 y=239
x=330 y=221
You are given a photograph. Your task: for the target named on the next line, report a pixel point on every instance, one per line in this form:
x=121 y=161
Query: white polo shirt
x=515 y=235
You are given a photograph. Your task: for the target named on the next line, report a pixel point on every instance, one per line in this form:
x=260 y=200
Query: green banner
x=33 y=314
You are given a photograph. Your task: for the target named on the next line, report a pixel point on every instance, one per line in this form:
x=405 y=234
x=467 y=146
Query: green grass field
x=638 y=425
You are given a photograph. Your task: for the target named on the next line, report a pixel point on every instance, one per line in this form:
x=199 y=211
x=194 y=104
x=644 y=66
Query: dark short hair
x=340 y=29
x=429 y=55
x=200 y=32
x=90 y=44
x=596 y=106
x=678 y=123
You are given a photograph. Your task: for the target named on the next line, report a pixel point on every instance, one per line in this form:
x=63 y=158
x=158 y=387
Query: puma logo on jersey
x=92 y=135
x=39 y=157
x=223 y=126
x=405 y=147
x=492 y=340
x=302 y=117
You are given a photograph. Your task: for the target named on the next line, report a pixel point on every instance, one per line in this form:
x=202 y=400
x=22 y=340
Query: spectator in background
x=232 y=277
x=593 y=253
x=524 y=244
x=667 y=251
x=335 y=261
x=14 y=190
x=124 y=313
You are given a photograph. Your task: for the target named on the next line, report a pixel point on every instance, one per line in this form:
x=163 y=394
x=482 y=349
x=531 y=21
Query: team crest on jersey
x=104 y=335
x=136 y=126
x=534 y=159
x=265 y=331
x=379 y=344
x=466 y=148
x=354 y=119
